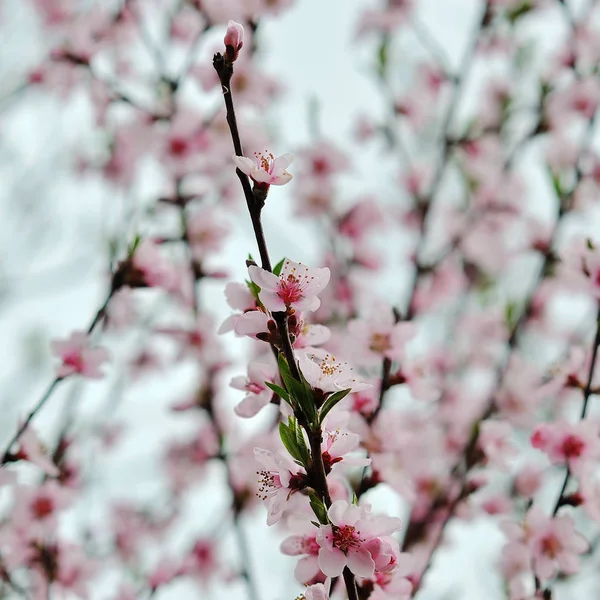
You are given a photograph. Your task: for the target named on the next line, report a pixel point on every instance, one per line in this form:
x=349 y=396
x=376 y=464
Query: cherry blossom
x=296 y=287
x=353 y=539
x=258 y=395
x=265 y=169
x=324 y=372
x=573 y=444
x=280 y=478
x=553 y=543
x=79 y=357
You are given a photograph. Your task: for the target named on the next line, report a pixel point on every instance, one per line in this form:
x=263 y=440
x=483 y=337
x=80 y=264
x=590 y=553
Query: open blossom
x=495 y=442
x=304 y=544
x=240 y=298
x=380 y=336
x=573 y=444
x=258 y=395
x=78 y=356
x=323 y=371
x=337 y=443
x=265 y=169
x=318 y=591
x=354 y=540
x=553 y=544
x=296 y=287
x=280 y=478
x=32 y=450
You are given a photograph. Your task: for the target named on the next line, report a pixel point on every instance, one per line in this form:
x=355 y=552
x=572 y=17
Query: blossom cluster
x=428 y=355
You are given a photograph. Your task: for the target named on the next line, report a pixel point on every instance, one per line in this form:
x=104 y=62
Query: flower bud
x=234 y=40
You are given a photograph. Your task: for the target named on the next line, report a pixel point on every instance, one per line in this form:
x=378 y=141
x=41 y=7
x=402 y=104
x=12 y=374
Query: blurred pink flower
x=79 y=357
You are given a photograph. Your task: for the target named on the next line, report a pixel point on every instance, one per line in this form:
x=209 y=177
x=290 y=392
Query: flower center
x=254 y=388
x=264 y=161
x=551 y=546
x=572 y=447
x=269 y=483
x=74 y=359
x=42 y=507
x=380 y=342
x=289 y=290
x=309 y=545
x=178 y=146
x=345 y=538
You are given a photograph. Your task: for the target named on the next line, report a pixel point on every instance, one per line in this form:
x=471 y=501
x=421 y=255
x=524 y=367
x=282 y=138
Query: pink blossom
x=379 y=336
x=78 y=356
x=154 y=268
x=353 y=539
x=258 y=395
x=494 y=440
x=31 y=449
x=265 y=169
x=38 y=507
x=324 y=372
x=307 y=569
x=279 y=480
x=528 y=481
x=202 y=562
x=205 y=232
x=337 y=443
x=365 y=215
x=318 y=591
x=234 y=40
x=573 y=444
x=198 y=341
x=554 y=544
x=310 y=335
x=322 y=160
x=296 y=287
x=251 y=323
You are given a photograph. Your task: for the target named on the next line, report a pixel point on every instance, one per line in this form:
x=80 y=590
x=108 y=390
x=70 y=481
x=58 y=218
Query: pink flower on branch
x=280 y=478
x=353 y=540
x=324 y=372
x=296 y=287
x=554 y=545
x=258 y=395
x=78 y=356
x=265 y=169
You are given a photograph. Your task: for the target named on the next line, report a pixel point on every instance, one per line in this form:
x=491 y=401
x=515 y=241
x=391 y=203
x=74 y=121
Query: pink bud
x=234 y=40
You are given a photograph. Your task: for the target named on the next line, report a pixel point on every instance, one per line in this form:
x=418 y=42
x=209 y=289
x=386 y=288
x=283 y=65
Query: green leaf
x=289 y=440
x=299 y=391
x=293 y=442
x=510 y=314
x=382 y=55
x=136 y=242
x=331 y=402
x=556 y=183
x=519 y=11
x=277 y=268
x=278 y=390
x=318 y=508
